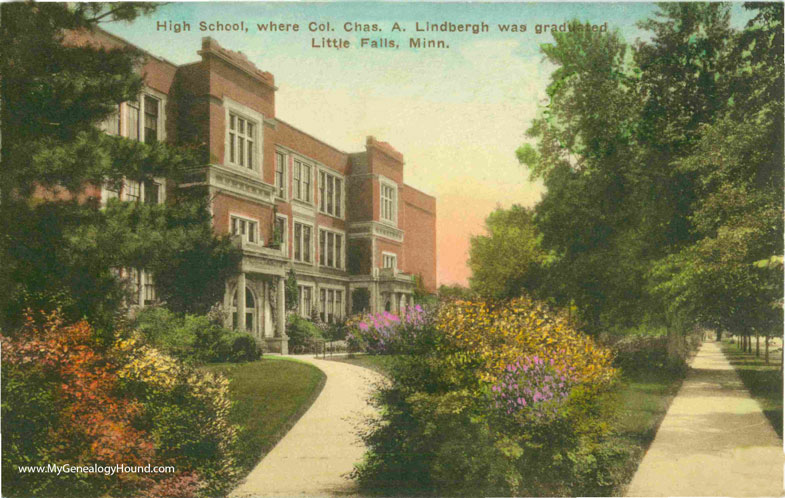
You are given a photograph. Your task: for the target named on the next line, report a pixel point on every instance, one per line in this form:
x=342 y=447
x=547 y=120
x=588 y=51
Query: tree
x=508 y=259
x=584 y=154
x=737 y=218
x=58 y=248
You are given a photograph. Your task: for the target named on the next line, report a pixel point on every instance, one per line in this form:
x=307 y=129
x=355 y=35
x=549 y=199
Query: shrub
x=302 y=333
x=493 y=399
x=200 y=338
x=68 y=400
x=641 y=352
x=385 y=332
x=243 y=347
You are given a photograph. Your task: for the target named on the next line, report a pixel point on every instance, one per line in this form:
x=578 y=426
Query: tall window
x=301 y=179
x=331 y=305
x=279 y=231
x=151 y=112
x=330 y=249
x=280 y=174
x=389 y=260
x=330 y=194
x=306 y=300
x=388 y=204
x=241 y=141
x=149 y=287
x=132 y=120
x=111 y=124
x=152 y=192
x=302 y=242
x=133 y=191
x=245 y=228
x=250 y=310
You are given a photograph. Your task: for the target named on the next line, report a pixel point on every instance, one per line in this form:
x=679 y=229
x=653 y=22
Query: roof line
x=149 y=54
x=311 y=136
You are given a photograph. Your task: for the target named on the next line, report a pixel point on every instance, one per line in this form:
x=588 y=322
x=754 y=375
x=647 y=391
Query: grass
x=643 y=398
x=269 y=396
x=377 y=363
x=763 y=381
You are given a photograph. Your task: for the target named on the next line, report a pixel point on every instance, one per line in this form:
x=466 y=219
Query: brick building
x=355 y=234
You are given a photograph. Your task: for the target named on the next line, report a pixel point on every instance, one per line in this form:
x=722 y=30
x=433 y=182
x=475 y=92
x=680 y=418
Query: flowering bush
x=533 y=385
x=385 y=332
x=492 y=399
x=497 y=335
x=66 y=400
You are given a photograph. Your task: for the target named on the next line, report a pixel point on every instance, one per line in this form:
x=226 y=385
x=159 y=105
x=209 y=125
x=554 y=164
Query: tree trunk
x=766 y=341
x=676 y=355
x=757 y=344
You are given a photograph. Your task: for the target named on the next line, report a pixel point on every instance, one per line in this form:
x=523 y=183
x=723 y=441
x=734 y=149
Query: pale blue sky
x=456 y=114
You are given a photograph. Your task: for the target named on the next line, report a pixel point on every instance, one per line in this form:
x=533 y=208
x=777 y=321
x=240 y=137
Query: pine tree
x=58 y=248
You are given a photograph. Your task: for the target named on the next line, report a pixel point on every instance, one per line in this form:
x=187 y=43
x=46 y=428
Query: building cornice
x=242 y=185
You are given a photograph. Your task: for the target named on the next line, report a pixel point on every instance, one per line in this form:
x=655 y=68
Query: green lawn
x=643 y=398
x=763 y=381
x=269 y=396
x=377 y=363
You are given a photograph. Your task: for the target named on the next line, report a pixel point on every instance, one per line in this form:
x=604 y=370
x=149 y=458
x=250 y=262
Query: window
x=132 y=120
x=133 y=191
x=152 y=192
x=330 y=249
x=151 y=112
x=133 y=277
x=111 y=124
x=330 y=194
x=389 y=260
x=302 y=242
x=388 y=203
x=246 y=229
x=331 y=305
x=306 y=300
x=302 y=181
x=241 y=141
x=279 y=232
x=280 y=174
x=149 y=287
x=250 y=310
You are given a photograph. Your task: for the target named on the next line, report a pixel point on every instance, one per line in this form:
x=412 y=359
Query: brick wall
x=419 y=215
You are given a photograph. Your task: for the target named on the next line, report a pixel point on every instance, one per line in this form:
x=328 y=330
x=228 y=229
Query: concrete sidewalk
x=314 y=456
x=714 y=440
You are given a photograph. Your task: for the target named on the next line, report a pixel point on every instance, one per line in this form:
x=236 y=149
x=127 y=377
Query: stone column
x=281 y=325
x=374 y=298
x=227 y=308
x=241 y=302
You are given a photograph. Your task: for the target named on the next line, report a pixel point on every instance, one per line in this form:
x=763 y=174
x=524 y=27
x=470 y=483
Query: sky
x=457 y=114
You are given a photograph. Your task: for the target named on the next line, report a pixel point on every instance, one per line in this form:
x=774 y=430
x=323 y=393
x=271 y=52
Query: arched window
x=250 y=310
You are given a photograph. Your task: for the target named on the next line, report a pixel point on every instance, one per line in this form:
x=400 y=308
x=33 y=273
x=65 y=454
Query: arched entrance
x=250 y=311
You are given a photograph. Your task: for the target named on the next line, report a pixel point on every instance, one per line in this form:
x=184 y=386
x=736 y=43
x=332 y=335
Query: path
x=714 y=440
x=313 y=457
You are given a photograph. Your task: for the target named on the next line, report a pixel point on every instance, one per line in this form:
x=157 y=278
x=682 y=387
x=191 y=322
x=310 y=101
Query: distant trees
x=664 y=175
x=508 y=258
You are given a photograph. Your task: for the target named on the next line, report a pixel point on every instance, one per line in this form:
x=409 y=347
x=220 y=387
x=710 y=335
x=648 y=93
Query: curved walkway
x=314 y=457
x=714 y=440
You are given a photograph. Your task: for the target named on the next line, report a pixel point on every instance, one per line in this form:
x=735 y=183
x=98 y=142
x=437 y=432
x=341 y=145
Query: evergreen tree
x=58 y=248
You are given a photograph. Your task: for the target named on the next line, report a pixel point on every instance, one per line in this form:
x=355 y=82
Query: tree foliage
x=663 y=168
x=58 y=248
x=509 y=257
